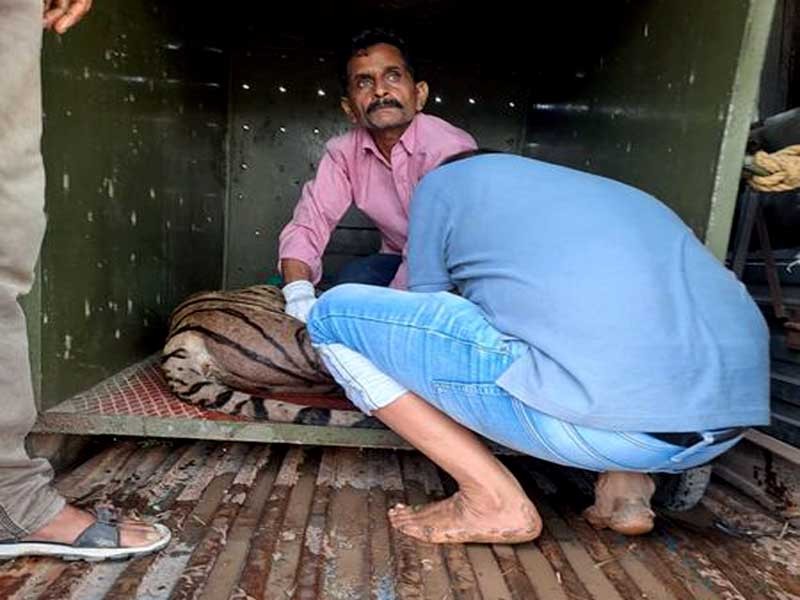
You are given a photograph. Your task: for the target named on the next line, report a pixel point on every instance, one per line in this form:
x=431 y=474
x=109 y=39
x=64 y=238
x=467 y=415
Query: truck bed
x=276 y=521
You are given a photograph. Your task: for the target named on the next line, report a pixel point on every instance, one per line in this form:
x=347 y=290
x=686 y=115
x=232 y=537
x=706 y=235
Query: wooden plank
x=113 y=457
x=224 y=577
x=408 y=576
x=141 y=464
x=463 y=582
x=290 y=536
x=514 y=573
x=540 y=573
x=606 y=556
x=592 y=578
x=565 y=575
x=645 y=573
x=201 y=500
x=777 y=447
x=260 y=558
x=649 y=571
x=670 y=554
x=423 y=486
x=764 y=473
x=196 y=572
x=177 y=491
x=314 y=544
x=101 y=578
x=759 y=543
x=107 y=470
x=382 y=582
x=346 y=566
x=488 y=574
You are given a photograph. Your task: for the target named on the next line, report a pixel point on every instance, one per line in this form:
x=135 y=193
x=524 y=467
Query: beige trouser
x=27 y=500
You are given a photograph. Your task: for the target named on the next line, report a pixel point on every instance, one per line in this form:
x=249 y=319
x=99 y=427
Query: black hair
x=366 y=39
x=468 y=154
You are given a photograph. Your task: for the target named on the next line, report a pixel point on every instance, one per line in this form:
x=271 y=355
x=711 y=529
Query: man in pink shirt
x=376 y=166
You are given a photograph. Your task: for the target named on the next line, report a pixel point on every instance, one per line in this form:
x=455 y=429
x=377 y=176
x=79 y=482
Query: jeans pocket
x=474 y=405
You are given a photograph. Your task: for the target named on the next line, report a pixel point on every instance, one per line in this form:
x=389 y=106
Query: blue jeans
x=442 y=347
x=376 y=269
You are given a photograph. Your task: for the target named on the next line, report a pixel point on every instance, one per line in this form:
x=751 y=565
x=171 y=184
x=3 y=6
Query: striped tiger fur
x=229 y=351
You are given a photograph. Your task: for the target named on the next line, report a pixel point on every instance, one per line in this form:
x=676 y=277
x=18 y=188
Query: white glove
x=299 y=299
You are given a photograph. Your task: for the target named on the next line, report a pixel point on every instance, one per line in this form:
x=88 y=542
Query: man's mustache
x=386 y=102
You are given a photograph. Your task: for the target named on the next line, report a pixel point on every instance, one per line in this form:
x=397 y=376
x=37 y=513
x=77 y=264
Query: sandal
x=99 y=541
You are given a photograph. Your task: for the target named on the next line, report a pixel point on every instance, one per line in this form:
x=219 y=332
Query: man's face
x=381 y=93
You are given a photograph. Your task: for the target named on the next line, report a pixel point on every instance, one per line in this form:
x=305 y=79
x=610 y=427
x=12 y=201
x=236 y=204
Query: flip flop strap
x=99 y=534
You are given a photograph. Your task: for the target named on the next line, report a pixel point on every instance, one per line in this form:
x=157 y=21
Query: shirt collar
x=408 y=141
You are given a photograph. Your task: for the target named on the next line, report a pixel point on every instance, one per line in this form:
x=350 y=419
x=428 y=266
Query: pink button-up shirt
x=354 y=170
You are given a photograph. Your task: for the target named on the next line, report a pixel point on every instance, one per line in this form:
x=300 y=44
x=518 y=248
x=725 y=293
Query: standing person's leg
x=34 y=518
x=26 y=498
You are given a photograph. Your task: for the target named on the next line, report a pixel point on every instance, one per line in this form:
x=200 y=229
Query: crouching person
x=591 y=329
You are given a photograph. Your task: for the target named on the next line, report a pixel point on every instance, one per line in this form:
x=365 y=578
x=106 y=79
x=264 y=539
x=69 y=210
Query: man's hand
x=293 y=269
x=299 y=299
x=60 y=15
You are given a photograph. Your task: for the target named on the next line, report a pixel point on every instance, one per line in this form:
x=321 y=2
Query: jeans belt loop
x=708 y=439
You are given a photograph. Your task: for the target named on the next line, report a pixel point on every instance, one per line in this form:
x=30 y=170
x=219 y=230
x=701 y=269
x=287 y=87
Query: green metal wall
x=135 y=103
x=177 y=138
x=662 y=103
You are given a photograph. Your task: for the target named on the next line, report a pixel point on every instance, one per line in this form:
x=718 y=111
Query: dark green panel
x=136 y=115
x=650 y=98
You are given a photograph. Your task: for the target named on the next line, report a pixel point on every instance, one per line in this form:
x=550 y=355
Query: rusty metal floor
x=278 y=522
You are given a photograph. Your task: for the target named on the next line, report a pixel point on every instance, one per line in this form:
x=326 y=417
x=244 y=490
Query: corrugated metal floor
x=259 y=521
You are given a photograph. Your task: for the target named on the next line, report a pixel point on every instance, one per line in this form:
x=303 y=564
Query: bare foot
x=68 y=525
x=622 y=503
x=462 y=518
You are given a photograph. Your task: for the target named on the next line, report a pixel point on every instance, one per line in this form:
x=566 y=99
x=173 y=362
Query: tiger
x=238 y=352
